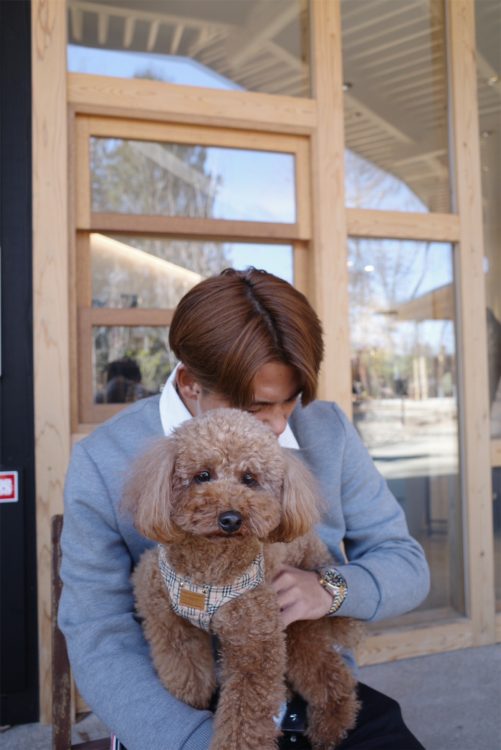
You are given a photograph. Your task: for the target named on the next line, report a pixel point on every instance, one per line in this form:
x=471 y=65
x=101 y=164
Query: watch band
x=334 y=583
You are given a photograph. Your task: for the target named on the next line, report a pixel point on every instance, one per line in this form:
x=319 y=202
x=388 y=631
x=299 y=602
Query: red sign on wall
x=9 y=487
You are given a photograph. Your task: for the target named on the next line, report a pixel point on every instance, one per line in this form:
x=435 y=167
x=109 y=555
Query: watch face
x=334 y=583
x=331 y=576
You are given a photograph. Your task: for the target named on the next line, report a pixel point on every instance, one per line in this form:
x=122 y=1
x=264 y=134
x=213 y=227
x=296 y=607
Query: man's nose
x=276 y=421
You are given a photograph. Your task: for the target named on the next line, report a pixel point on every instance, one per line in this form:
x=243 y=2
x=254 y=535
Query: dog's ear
x=148 y=491
x=300 y=501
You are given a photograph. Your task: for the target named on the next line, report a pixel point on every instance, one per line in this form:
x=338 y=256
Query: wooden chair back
x=61 y=672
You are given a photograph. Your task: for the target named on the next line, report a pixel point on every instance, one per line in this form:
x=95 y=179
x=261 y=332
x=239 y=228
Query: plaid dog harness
x=199 y=602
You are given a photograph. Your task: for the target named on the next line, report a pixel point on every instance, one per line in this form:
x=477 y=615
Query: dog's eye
x=249 y=479
x=202 y=476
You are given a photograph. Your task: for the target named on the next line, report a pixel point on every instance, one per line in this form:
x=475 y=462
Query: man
x=249 y=340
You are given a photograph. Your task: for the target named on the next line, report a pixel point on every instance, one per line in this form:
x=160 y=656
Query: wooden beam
x=125 y=316
x=329 y=216
x=281 y=54
x=405 y=643
x=176 y=39
x=156 y=100
x=76 y=17
x=403 y=225
x=81 y=185
x=265 y=20
x=103 y=22
x=496 y=453
x=437 y=304
x=184 y=226
x=129 y=28
x=50 y=303
x=139 y=13
x=471 y=319
x=197 y=135
x=152 y=35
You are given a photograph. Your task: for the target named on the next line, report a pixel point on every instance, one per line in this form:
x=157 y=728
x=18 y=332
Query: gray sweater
x=386 y=570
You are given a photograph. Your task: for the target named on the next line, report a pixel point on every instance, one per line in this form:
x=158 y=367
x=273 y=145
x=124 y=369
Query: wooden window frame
x=85 y=412
x=496 y=453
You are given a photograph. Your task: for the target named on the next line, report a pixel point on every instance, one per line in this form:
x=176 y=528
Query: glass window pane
x=129 y=362
x=141 y=177
x=404 y=392
x=394 y=68
x=250 y=45
x=145 y=272
x=488 y=29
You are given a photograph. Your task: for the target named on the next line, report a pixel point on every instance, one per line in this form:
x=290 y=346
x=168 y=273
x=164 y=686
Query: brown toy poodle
x=227 y=506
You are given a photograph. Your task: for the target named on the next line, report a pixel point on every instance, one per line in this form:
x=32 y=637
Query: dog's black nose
x=230 y=521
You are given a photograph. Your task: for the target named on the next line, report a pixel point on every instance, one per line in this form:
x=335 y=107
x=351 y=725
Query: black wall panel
x=18 y=602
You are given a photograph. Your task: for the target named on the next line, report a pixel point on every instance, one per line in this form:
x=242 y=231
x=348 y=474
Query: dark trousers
x=379 y=726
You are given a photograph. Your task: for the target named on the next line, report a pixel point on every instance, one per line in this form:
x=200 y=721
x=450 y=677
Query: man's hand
x=300 y=595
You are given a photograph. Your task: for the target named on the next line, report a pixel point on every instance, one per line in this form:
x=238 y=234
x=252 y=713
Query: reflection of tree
x=369 y=186
x=161 y=179
x=396 y=357
x=139 y=177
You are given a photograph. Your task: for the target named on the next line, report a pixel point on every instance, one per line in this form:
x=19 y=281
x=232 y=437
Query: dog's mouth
x=218 y=535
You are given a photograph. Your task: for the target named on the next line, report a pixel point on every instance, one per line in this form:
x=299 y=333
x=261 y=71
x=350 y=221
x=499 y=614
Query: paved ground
x=450 y=701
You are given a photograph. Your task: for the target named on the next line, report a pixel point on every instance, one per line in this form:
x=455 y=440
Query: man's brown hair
x=228 y=326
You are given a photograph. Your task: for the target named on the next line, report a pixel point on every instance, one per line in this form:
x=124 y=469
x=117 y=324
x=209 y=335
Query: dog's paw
x=252 y=616
x=328 y=727
x=243 y=739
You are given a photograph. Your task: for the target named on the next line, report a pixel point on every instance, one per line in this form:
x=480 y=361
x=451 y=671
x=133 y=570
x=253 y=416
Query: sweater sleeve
x=108 y=654
x=387 y=573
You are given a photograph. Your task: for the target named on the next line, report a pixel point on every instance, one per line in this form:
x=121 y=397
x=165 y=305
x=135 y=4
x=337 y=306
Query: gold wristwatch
x=333 y=582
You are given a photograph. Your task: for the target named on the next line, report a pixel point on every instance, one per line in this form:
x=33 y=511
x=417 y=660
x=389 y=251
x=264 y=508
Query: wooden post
x=329 y=215
x=471 y=323
x=50 y=303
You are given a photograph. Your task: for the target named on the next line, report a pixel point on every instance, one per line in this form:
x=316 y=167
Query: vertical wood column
x=471 y=319
x=50 y=304
x=329 y=216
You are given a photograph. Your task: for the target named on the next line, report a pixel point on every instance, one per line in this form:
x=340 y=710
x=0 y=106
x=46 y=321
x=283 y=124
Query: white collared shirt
x=173 y=412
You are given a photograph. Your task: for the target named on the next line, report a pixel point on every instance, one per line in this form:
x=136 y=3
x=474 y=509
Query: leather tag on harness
x=192 y=599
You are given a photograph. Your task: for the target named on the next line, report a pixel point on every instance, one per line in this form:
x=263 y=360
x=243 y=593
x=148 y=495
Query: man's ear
x=188 y=388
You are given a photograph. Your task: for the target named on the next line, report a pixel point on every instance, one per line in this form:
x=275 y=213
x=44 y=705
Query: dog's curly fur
x=277 y=500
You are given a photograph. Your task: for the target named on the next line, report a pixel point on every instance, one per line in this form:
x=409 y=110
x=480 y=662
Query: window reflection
x=395 y=105
x=404 y=391
x=488 y=31
x=154 y=272
x=130 y=362
x=249 y=45
x=143 y=177
x=488 y=57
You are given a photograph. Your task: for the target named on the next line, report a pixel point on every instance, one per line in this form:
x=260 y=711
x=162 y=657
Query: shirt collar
x=173 y=413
